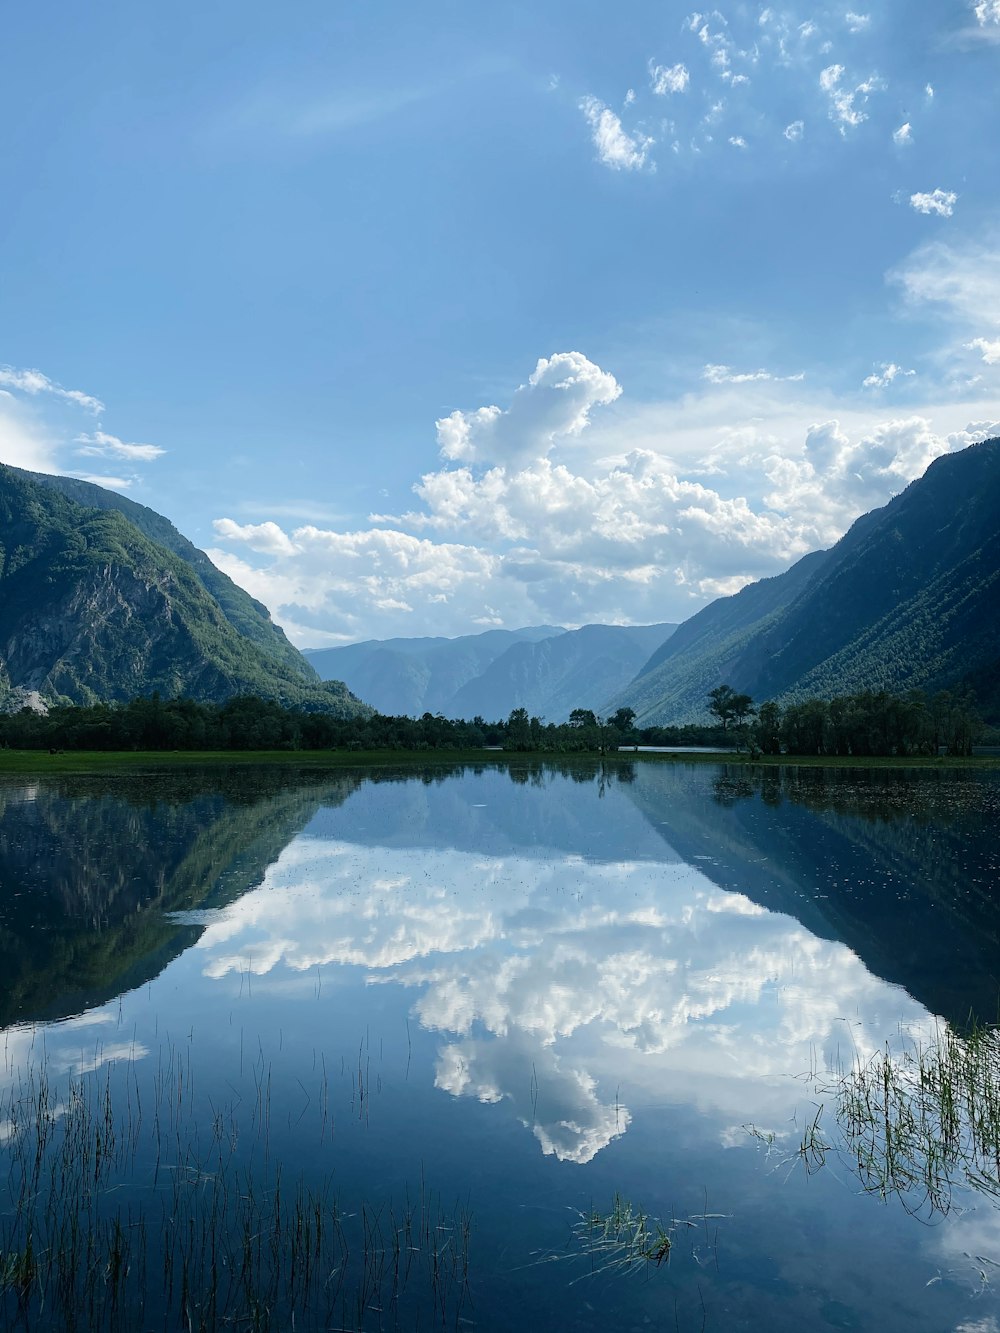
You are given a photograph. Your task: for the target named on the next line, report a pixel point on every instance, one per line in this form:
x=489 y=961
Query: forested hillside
x=92 y=609
x=908 y=598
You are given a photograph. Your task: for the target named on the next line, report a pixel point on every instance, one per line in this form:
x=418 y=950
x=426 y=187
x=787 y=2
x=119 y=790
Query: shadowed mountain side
x=578 y=669
x=908 y=598
x=859 y=858
x=250 y=617
x=408 y=677
x=93 y=926
x=93 y=610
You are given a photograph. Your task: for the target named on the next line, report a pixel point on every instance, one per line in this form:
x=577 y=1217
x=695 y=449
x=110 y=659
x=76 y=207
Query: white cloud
x=535 y=516
x=33 y=382
x=668 y=78
x=941 y=202
x=904 y=135
x=844 y=101
x=100 y=444
x=616 y=148
x=857 y=22
x=989 y=347
x=987 y=13
x=555 y=403
x=795 y=131
x=737 y=141
x=964 y=279
x=884 y=376
x=717 y=374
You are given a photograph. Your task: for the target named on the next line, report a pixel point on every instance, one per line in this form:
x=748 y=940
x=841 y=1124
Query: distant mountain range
x=547 y=670
x=102 y=599
x=908 y=598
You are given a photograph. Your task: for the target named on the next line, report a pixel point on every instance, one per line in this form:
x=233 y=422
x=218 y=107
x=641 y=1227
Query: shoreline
x=38 y=763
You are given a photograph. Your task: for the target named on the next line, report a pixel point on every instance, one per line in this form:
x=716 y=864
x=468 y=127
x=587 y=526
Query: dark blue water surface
x=376 y=1049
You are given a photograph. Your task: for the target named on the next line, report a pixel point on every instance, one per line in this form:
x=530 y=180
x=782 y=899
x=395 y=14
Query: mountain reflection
x=577 y=945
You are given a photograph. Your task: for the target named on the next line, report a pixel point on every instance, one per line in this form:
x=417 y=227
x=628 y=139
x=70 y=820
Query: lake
x=643 y=1046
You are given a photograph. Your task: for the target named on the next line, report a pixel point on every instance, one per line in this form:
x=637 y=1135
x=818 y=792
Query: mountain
x=578 y=669
x=250 y=617
x=542 y=668
x=408 y=677
x=94 y=609
x=908 y=598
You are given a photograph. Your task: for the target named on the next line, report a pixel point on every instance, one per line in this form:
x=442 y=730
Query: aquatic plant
x=119 y=1214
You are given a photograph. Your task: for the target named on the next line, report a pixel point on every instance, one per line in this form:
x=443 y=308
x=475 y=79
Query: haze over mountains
x=102 y=599
x=548 y=671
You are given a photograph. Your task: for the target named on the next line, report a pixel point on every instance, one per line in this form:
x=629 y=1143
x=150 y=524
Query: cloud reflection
x=555 y=982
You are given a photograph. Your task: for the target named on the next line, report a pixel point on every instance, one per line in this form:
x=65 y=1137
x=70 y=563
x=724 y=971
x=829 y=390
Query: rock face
x=908 y=598
x=92 y=609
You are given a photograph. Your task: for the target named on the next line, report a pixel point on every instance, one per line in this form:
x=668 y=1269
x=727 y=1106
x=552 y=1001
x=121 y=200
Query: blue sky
x=425 y=318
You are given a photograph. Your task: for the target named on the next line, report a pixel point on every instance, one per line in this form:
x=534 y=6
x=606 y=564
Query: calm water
x=370 y=1048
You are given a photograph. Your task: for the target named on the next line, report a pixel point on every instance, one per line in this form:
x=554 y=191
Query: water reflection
x=602 y=975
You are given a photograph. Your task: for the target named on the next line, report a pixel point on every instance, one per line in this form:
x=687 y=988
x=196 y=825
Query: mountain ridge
x=908 y=598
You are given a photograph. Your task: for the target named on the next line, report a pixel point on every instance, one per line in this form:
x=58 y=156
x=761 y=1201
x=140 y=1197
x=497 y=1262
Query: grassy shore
x=32 y=763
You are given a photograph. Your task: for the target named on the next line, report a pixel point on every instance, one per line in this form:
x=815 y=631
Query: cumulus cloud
x=555 y=403
x=616 y=148
x=665 y=79
x=838 y=472
x=794 y=131
x=904 y=135
x=553 y=509
x=33 y=382
x=737 y=141
x=100 y=444
x=884 y=375
x=987 y=13
x=941 y=202
x=857 y=22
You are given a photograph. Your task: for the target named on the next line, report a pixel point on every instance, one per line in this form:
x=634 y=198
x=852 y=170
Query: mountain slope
x=578 y=669
x=408 y=677
x=909 y=597
x=91 y=609
x=243 y=612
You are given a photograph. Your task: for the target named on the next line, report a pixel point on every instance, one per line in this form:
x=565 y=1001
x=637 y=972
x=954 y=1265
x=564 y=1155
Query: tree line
x=865 y=724
x=870 y=723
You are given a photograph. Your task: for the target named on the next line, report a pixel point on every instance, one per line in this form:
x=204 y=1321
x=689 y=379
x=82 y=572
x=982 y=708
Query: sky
x=429 y=318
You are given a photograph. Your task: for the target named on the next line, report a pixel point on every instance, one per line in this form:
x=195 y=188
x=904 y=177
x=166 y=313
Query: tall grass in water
x=921 y=1122
x=916 y=1123
x=122 y=1215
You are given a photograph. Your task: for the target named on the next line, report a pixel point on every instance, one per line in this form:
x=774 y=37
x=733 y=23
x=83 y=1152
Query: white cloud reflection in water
x=555 y=983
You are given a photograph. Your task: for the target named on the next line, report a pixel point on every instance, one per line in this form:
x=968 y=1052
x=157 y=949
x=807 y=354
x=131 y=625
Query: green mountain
x=244 y=613
x=908 y=598
x=94 y=609
x=408 y=677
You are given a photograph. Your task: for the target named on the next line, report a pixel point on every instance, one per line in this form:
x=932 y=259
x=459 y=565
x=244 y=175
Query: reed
x=122 y=1209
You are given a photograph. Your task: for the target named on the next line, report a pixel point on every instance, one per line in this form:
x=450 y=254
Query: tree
x=729 y=706
x=622 y=720
x=582 y=717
